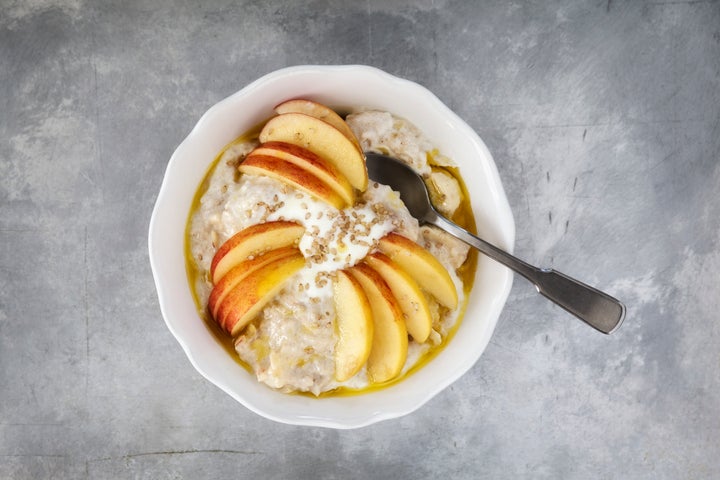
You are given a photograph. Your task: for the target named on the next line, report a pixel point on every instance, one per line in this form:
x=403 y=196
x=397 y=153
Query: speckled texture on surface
x=604 y=120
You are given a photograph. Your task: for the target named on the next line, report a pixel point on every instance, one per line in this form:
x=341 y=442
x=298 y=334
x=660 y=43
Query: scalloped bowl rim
x=338 y=86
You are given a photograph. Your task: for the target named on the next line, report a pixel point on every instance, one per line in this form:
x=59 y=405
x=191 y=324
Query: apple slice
x=240 y=271
x=354 y=326
x=255 y=291
x=322 y=139
x=390 y=341
x=293 y=175
x=320 y=111
x=422 y=266
x=253 y=241
x=411 y=299
x=310 y=162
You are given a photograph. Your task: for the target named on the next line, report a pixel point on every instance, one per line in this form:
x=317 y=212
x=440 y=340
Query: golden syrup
x=463 y=216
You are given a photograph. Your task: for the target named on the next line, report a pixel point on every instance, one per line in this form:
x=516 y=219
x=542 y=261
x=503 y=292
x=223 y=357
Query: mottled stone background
x=603 y=117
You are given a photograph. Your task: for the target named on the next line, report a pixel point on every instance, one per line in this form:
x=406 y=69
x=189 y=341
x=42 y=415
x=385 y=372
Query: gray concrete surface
x=603 y=117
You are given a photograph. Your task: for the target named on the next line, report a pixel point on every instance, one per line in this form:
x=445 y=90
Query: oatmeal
x=290 y=344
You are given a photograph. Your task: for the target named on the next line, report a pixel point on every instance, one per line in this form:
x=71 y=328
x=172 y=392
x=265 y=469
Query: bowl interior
x=340 y=87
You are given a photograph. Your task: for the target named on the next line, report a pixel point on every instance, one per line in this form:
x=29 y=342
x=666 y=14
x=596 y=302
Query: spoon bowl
x=596 y=308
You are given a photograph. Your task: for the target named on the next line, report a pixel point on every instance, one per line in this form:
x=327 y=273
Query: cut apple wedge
x=390 y=341
x=311 y=163
x=411 y=299
x=322 y=139
x=242 y=270
x=254 y=292
x=293 y=175
x=422 y=266
x=320 y=111
x=253 y=240
x=354 y=326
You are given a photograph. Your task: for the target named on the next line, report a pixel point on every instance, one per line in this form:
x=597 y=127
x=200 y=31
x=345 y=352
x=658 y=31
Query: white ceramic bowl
x=337 y=86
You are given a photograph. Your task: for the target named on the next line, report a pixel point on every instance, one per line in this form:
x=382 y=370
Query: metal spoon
x=597 y=309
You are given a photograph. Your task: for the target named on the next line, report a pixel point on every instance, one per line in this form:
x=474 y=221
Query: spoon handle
x=596 y=308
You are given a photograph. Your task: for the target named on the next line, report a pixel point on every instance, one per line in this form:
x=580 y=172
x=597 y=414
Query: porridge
x=319 y=238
